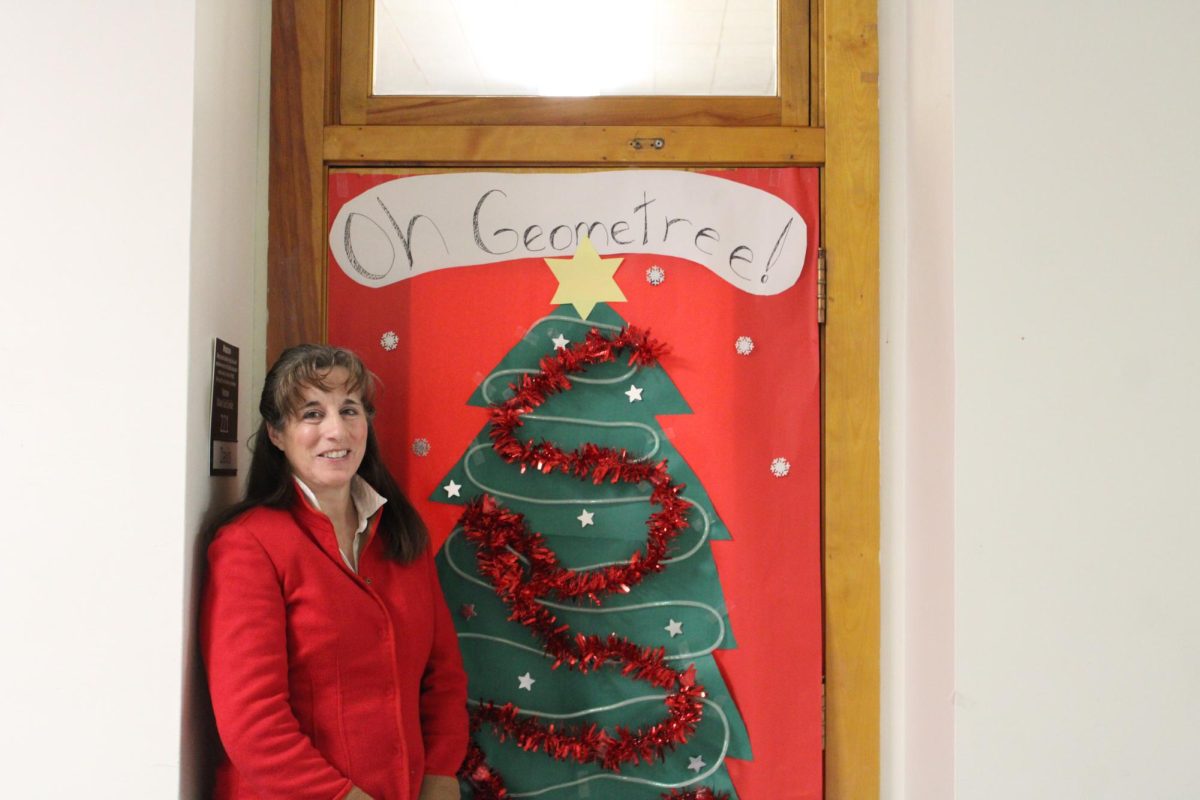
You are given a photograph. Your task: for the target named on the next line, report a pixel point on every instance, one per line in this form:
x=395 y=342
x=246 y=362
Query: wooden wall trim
x=851 y=402
x=790 y=108
x=816 y=64
x=354 y=76
x=295 y=205
x=616 y=110
x=794 y=68
x=567 y=145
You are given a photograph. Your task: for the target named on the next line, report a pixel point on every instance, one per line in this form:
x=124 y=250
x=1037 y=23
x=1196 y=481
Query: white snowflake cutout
x=389 y=340
x=780 y=467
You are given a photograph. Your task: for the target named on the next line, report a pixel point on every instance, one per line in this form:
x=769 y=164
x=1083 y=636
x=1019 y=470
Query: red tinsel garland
x=703 y=793
x=503 y=541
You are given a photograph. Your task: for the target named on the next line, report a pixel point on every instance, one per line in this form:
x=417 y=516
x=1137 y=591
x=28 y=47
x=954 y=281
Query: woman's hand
x=358 y=794
x=439 y=787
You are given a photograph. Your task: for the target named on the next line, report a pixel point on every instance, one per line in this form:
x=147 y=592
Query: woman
x=332 y=660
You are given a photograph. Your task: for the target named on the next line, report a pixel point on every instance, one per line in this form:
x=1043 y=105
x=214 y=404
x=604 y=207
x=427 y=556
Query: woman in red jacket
x=332 y=661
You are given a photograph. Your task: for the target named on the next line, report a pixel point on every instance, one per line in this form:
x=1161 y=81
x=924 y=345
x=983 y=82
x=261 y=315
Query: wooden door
x=324 y=119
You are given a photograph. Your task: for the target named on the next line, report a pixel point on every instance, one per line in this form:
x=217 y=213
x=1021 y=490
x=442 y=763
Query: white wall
x=1078 y=443
x=228 y=299
x=1075 y=252
x=118 y=265
x=917 y=419
x=93 y=331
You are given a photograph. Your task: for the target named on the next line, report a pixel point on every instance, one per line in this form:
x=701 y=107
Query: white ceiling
x=565 y=47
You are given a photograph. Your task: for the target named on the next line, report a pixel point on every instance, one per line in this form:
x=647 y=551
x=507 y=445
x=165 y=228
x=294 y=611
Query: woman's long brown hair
x=270 y=482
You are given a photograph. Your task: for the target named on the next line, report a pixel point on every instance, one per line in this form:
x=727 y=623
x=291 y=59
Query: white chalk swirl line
x=485 y=389
x=716 y=615
x=657 y=442
x=673 y=560
x=657 y=698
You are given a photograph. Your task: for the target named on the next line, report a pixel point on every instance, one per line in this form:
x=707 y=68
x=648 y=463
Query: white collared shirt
x=366 y=502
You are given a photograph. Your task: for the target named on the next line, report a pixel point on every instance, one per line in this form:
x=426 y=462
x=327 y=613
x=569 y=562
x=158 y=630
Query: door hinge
x=821 y=286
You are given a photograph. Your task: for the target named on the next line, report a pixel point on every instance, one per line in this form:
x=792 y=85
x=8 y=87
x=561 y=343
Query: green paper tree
x=681 y=609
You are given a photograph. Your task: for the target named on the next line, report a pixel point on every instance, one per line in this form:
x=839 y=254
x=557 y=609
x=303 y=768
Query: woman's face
x=325 y=439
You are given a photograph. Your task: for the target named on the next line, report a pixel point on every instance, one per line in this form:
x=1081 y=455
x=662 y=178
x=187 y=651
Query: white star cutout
x=585 y=518
x=634 y=393
x=452 y=489
x=560 y=342
x=526 y=682
x=675 y=628
x=696 y=763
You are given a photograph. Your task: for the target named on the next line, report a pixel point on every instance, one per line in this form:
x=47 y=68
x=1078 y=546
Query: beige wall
x=917 y=382
x=131 y=217
x=1063 y=585
x=94 y=316
x=227 y=300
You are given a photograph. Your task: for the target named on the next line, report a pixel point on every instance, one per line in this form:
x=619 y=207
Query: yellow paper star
x=585 y=279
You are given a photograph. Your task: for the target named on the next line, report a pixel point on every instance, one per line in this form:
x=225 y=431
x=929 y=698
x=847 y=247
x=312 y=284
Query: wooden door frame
x=358 y=106
x=840 y=134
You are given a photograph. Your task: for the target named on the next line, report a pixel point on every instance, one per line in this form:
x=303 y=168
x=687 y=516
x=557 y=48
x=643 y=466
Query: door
x=327 y=120
x=694 y=576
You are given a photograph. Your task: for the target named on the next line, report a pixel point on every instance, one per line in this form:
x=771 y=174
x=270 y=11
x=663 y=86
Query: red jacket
x=321 y=677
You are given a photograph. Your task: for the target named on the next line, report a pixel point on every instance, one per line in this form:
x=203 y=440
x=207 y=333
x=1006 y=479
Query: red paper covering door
x=742 y=423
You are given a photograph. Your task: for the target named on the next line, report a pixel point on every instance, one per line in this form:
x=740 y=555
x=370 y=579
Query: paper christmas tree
x=586 y=541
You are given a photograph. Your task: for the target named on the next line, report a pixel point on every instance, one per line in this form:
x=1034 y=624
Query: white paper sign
x=410 y=226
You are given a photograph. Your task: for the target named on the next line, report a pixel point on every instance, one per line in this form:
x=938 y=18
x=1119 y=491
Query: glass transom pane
x=570 y=48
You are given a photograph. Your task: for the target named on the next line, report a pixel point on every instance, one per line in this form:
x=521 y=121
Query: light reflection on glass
x=567 y=48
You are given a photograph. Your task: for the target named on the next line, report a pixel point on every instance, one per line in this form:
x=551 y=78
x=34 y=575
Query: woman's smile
x=324 y=440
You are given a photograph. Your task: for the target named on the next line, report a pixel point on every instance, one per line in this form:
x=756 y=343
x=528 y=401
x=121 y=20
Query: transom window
x=570 y=48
